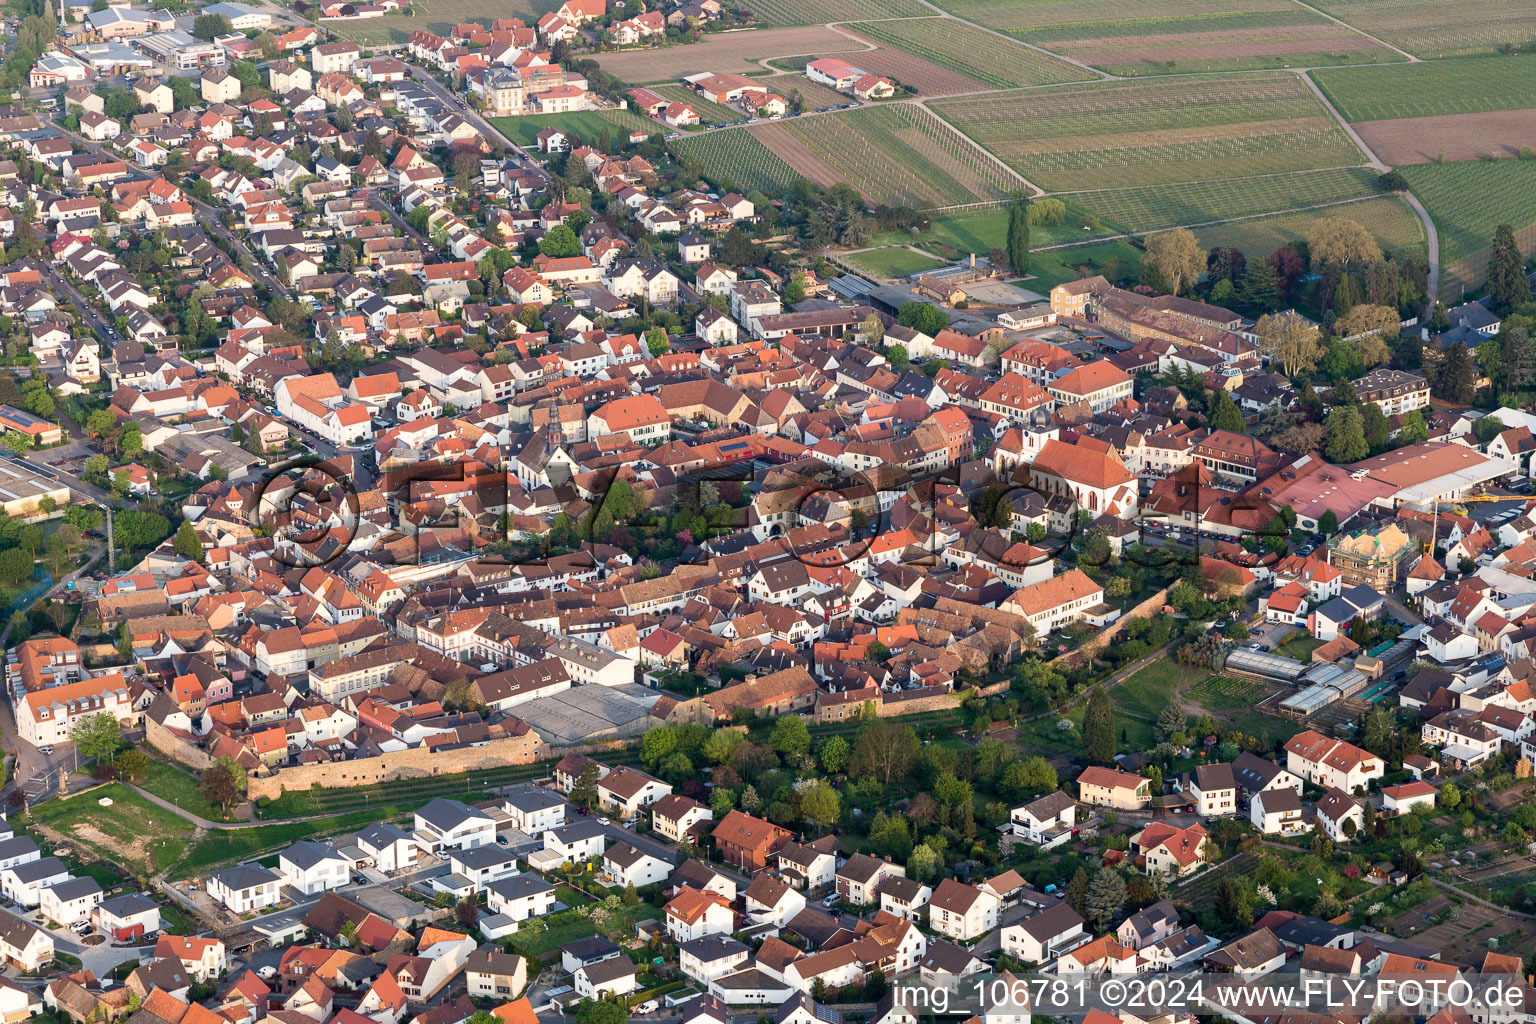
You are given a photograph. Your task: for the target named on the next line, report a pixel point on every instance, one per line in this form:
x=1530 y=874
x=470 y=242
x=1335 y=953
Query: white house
x=1047 y=821
x=245 y=888
x=535 y=812
x=1402 y=799
x=1276 y=812
x=626 y=792
x=578 y=842
x=446 y=824
x=630 y=865
x=483 y=865
x=1325 y=761
x=616 y=977
x=1339 y=815
x=71 y=900
x=962 y=911
x=313 y=868
x=770 y=900
x=692 y=914
x=24 y=883
x=127 y=918
x=711 y=957
x=24 y=943
x=1045 y=936
x=389 y=847
x=520 y=897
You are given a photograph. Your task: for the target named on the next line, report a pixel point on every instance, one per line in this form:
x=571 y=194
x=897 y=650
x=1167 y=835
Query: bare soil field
x=814 y=95
x=796 y=153
x=727 y=52
x=1422 y=140
x=925 y=76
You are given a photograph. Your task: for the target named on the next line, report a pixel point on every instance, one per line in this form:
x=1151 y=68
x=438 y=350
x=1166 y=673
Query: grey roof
x=1253 y=773
x=381 y=834
x=1051 y=921
x=1050 y=805
x=17 y=846
x=75 y=888
x=577 y=831
x=444 y=814
x=609 y=970
x=306 y=853
x=533 y=800
x=520 y=887
x=594 y=948
x=244 y=876
x=32 y=871
x=480 y=857
x=628 y=854
x=132 y=904
x=713 y=947
x=802 y=1001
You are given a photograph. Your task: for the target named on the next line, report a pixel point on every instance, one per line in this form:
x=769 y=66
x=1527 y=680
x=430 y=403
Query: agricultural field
x=977 y=59
x=1434 y=28
x=1431 y=88
x=1418 y=140
x=588 y=124
x=1160 y=206
x=1219 y=693
x=1389 y=218
x=1021 y=16
x=435 y=16
x=709 y=113
x=725 y=52
x=891 y=262
x=820 y=12
x=1210 y=42
x=1155 y=132
x=900 y=155
x=737 y=158
x=1468 y=201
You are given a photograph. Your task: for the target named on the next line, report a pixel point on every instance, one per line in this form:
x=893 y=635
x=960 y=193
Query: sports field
x=736 y=159
x=1430 y=88
x=1156 y=131
x=891 y=154
x=1468 y=200
x=1439 y=28
x=892 y=261
x=1160 y=206
x=1389 y=218
x=975 y=55
x=587 y=124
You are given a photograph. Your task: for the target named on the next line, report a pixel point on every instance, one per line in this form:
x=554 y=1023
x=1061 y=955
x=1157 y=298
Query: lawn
x=437 y=16
x=228 y=846
x=892 y=261
x=1159 y=206
x=1299 y=646
x=735 y=159
x=1389 y=218
x=171 y=783
x=1431 y=88
x=131 y=831
x=1155 y=131
x=955 y=234
x=1147 y=692
x=1117 y=260
x=1468 y=200
x=586 y=124
x=978 y=55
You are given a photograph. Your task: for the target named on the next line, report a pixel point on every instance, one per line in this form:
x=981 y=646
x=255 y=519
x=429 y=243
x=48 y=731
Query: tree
x=1517 y=357
x=1508 y=287
x=1328 y=523
x=560 y=241
x=1364 y=318
x=873 y=330
x=820 y=804
x=15 y=565
x=1341 y=243
x=923 y=865
x=207 y=26
x=1099 y=728
x=884 y=749
x=98 y=737
x=1345 y=440
x=1077 y=892
x=656 y=341
x=1034 y=776
x=1260 y=289
x=1169 y=721
x=584 y=792
x=132 y=763
x=222 y=782
x=1232 y=902
x=790 y=736
x=188 y=544
x=1225 y=414
x=921 y=316
x=1377 y=427
x=1291 y=340
x=593 y=1011
x=1177 y=256
x=1106 y=898
x=1018 y=236
x=1456 y=379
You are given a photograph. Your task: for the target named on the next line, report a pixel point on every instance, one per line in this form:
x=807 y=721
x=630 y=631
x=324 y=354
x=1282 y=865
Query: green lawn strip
x=138 y=835
x=893 y=261
x=586 y=124
x=171 y=783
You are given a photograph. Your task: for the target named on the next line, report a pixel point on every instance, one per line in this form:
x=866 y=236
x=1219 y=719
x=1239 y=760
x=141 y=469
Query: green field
x=709 y=113
x=820 y=12
x=1156 y=131
x=1435 y=28
x=173 y=784
x=892 y=261
x=1019 y=16
x=1117 y=260
x=227 y=846
x=1160 y=206
x=1431 y=88
x=1468 y=201
x=437 y=16
x=900 y=155
x=969 y=51
x=588 y=124
x=736 y=159
x=1389 y=218
x=131 y=831
x=954 y=234
x=398 y=796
